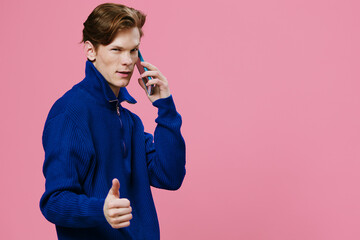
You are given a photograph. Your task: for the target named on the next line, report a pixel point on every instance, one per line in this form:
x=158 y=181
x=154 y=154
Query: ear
x=89 y=51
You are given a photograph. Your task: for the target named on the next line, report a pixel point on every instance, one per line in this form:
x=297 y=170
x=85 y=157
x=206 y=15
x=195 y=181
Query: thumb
x=114 y=190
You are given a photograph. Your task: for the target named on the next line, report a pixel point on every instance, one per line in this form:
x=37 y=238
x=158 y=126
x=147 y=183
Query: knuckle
x=110 y=205
x=112 y=213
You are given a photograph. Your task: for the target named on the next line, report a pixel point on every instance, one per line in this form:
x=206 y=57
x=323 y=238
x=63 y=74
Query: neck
x=116 y=90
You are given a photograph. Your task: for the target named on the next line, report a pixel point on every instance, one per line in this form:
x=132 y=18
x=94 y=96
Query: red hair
x=106 y=20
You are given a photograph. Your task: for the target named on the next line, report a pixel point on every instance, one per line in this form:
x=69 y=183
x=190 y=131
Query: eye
x=135 y=50
x=115 y=49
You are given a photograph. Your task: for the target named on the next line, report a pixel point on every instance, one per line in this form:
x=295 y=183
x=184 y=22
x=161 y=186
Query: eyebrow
x=119 y=47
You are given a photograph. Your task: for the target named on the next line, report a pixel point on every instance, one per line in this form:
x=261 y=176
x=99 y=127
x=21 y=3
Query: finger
x=154 y=74
x=141 y=82
x=121 y=225
x=116 y=212
x=122 y=218
x=149 y=66
x=114 y=190
x=157 y=82
x=119 y=203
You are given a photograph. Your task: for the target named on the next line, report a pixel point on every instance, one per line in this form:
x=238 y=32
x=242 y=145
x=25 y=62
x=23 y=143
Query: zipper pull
x=117 y=109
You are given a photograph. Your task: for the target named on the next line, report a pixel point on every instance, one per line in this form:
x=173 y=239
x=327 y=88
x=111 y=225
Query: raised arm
x=166 y=151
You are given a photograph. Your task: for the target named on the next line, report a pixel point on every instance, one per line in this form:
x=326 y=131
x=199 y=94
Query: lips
x=123 y=73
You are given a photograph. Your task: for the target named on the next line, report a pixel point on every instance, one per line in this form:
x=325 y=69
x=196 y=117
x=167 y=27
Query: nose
x=126 y=58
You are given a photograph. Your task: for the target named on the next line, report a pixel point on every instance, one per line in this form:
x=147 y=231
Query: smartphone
x=142 y=69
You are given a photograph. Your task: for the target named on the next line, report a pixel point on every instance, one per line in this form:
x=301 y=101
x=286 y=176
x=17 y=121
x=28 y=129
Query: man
x=99 y=163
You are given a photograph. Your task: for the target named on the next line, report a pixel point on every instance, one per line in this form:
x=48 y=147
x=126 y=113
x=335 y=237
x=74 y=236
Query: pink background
x=269 y=94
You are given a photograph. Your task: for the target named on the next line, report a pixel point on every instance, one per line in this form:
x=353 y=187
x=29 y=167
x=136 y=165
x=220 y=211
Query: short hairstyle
x=107 y=19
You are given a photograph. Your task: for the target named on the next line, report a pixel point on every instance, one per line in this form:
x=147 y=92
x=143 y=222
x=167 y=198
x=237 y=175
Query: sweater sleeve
x=67 y=158
x=166 y=150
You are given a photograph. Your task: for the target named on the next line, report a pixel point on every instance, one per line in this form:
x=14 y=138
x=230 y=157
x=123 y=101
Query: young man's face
x=116 y=61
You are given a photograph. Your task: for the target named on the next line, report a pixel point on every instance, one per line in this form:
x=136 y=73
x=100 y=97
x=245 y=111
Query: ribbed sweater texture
x=89 y=138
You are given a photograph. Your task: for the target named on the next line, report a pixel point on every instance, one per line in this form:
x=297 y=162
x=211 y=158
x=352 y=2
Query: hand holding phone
x=142 y=69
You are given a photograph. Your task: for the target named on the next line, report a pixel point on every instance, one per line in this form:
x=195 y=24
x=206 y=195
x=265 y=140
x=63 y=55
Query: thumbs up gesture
x=117 y=210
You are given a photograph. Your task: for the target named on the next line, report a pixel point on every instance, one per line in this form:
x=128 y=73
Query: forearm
x=68 y=209
x=167 y=167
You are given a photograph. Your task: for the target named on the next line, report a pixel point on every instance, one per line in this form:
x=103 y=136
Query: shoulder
x=65 y=118
x=70 y=105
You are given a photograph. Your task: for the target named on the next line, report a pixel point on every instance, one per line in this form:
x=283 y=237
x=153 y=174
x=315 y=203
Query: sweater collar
x=94 y=75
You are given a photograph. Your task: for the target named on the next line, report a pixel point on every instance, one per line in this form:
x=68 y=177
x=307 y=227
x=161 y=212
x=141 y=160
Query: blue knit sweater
x=89 y=138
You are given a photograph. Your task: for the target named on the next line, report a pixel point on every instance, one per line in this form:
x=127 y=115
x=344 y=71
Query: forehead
x=128 y=38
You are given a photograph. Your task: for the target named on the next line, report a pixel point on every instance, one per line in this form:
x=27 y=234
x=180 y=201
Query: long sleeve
x=68 y=154
x=166 y=151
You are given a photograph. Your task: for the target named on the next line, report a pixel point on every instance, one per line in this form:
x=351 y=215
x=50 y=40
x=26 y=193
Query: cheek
x=134 y=58
x=134 y=55
x=108 y=59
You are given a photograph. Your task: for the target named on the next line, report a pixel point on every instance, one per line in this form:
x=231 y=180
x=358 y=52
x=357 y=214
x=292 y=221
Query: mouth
x=123 y=73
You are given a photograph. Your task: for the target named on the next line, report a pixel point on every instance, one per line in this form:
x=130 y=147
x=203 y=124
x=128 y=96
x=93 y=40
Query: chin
x=122 y=84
